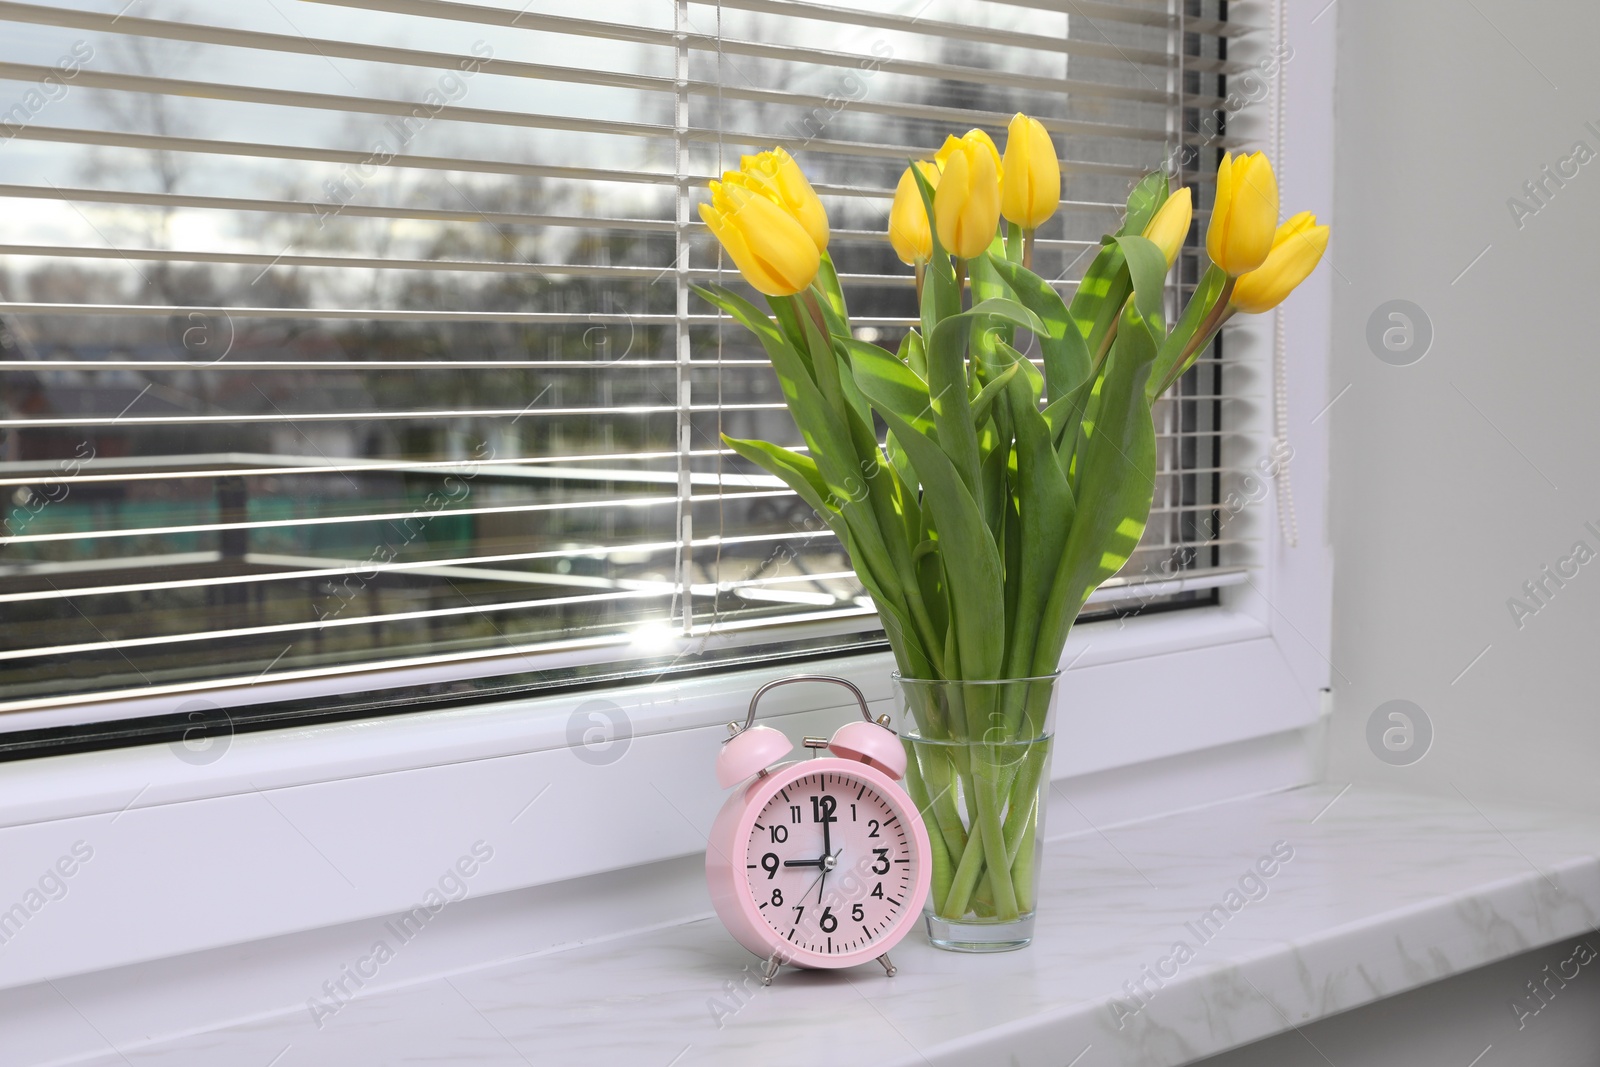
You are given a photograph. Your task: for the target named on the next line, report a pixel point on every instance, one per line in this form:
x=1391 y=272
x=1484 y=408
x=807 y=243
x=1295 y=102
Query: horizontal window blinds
x=358 y=333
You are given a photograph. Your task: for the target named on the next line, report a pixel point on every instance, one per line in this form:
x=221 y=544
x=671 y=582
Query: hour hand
x=802 y=863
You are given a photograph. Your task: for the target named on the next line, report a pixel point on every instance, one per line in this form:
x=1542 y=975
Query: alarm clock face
x=831 y=866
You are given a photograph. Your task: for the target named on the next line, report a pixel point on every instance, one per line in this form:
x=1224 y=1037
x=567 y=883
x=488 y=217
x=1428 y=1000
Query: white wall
x=1457 y=478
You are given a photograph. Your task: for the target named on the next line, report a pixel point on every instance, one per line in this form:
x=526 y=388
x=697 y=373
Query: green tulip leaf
x=889 y=384
x=1065 y=416
x=1147 y=269
x=972 y=572
x=1202 y=302
x=1115 y=483
x=911 y=657
x=1067 y=361
x=1101 y=294
x=985 y=399
x=787 y=312
x=799 y=472
x=913 y=354
x=1045 y=512
x=988 y=285
x=1148 y=194
x=941 y=297
x=947 y=381
x=826 y=434
x=827 y=281
x=824 y=365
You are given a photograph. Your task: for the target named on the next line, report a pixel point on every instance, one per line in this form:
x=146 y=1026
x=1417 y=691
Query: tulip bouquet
x=1000 y=493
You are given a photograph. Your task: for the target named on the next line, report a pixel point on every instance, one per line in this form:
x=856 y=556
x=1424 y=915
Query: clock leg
x=888 y=968
x=769 y=970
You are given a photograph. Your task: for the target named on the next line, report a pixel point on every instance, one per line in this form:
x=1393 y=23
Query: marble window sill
x=1381 y=892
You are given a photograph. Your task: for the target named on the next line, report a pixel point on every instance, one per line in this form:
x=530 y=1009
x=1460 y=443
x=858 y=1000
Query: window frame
x=394 y=794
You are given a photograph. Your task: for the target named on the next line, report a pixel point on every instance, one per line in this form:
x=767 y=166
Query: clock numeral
x=882 y=866
x=828 y=923
x=874 y=824
x=877 y=891
x=799 y=910
x=856 y=913
x=794 y=813
x=779 y=834
x=769 y=863
x=852 y=813
x=777 y=897
x=822 y=808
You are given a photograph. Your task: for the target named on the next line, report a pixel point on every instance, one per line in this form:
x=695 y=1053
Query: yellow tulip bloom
x=1297 y=247
x=1245 y=215
x=966 y=207
x=1170 y=226
x=953 y=144
x=909 y=232
x=776 y=176
x=1030 y=181
x=773 y=251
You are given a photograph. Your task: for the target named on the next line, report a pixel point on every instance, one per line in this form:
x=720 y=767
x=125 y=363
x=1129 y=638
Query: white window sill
x=1385 y=892
x=308 y=828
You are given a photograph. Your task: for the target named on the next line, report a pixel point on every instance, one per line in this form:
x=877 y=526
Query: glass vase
x=978 y=756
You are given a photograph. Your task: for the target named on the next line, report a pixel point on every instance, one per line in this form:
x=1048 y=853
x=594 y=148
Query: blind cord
x=716 y=567
x=1287 y=523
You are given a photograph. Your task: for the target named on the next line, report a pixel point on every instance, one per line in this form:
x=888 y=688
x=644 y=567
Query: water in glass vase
x=979 y=769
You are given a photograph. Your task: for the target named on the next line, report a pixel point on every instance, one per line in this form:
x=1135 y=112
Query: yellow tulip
x=1030 y=181
x=769 y=246
x=776 y=176
x=1245 y=214
x=908 y=217
x=1297 y=247
x=966 y=207
x=954 y=144
x=1170 y=227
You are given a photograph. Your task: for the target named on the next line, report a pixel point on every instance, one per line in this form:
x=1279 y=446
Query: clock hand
x=822 y=883
x=803 y=863
x=820 y=877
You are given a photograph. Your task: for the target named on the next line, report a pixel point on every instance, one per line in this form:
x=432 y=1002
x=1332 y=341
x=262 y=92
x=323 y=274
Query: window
x=357 y=333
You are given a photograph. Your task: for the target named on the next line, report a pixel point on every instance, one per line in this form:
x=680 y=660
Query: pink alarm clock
x=821 y=862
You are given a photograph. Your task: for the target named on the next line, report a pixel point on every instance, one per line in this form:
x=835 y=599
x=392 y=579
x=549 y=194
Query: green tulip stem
x=1110 y=338
x=1220 y=313
x=1022 y=814
x=921 y=270
x=1022 y=869
x=1027 y=248
x=940 y=782
x=983 y=897
x=984 y=847
x=938 y=851
x=809 y=300
x=961 y=283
